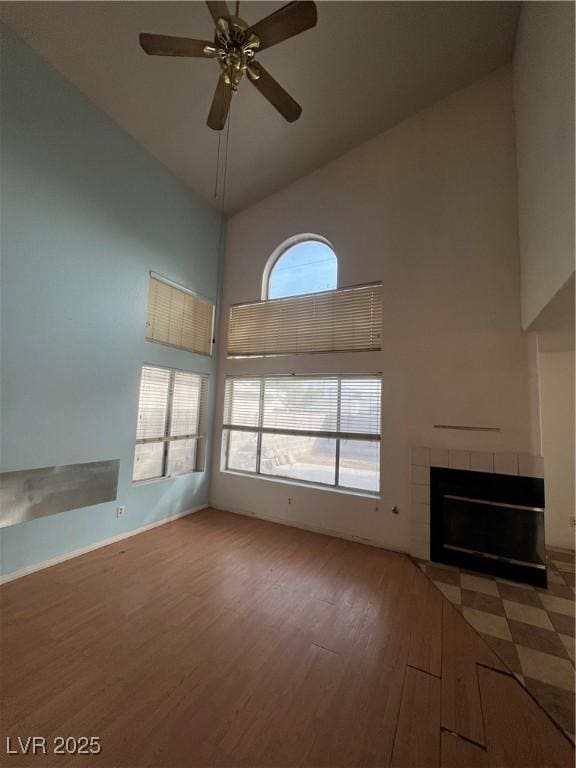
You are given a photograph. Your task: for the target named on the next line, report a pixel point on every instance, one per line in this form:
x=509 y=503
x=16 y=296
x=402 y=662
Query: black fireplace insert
x=488 y=522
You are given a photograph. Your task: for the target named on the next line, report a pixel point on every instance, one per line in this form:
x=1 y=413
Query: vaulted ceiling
x=363 y=69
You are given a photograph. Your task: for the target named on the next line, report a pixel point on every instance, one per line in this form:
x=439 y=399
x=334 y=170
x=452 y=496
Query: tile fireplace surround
x=477 y=461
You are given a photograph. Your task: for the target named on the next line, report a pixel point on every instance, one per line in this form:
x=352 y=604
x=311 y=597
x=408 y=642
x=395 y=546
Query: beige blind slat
x=178 y=318
x=344 y=320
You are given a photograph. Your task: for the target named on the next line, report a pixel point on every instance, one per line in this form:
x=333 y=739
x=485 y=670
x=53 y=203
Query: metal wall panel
x=31 y=493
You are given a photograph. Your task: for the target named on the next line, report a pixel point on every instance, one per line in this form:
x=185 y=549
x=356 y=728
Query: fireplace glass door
x=492 y=529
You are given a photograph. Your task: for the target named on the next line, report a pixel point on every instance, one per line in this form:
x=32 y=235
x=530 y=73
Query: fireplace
x=488 y=522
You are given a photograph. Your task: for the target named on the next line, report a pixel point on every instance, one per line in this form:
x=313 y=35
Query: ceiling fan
x=235 y=46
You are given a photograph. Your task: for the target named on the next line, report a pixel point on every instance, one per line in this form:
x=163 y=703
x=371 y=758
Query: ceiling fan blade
x=217 y=9
x=286 y=22
x=274 y=92
x=165 y=45
x=220 y=106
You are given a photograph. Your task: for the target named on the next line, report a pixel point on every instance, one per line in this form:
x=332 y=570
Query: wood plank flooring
x=224 y=641
x=417 y=739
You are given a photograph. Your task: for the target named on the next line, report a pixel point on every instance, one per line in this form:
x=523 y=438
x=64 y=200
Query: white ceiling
x=364 y=68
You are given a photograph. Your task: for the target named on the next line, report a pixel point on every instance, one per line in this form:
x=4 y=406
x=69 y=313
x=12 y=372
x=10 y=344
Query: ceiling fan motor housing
x=235 y=49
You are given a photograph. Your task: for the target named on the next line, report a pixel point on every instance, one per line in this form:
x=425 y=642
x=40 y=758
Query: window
x=307 y=266
x=344 y=320
x=179 y=318
x=314 y=429
x=170 y=435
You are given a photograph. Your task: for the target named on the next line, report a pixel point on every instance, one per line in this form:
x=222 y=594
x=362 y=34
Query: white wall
x=544 y=108
x=556 y=370
x=428 y=207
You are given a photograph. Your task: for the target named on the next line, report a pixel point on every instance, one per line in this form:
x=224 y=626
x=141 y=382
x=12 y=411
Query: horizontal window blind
x=339 y=405
x=186 y=401
x=179 y=318
x=153 y=405
x=171 y=427
x=309 y=405
x=242 y=401
x=344 y=320
x=319 y=429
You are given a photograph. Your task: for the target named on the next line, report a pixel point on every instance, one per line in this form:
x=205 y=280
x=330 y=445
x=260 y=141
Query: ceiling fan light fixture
x=222 y=33
x=253 y=73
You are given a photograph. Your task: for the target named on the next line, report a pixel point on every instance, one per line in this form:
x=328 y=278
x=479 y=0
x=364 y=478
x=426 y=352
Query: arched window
x=306 y=264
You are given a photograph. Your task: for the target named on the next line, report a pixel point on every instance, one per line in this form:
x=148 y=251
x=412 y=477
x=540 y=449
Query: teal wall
x=85 y=214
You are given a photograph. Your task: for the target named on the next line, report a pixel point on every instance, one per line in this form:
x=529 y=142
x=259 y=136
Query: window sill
x=304 y=484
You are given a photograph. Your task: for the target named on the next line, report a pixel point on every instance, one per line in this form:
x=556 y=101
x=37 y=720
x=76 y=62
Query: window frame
x=279 y=252
x=199 y=435
x=337 y=436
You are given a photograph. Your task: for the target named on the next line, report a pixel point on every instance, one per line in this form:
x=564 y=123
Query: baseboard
x=311 y=528
x=21 y=572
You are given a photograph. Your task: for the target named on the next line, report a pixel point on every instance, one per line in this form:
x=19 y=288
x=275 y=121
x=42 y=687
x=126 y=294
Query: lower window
x=323 y=430
x=170 y=435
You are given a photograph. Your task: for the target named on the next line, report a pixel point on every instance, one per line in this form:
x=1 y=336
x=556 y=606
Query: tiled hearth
x=477 y=461
x=531 y=629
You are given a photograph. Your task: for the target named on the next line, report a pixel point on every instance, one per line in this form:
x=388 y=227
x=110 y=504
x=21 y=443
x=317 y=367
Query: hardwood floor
x=218 y=640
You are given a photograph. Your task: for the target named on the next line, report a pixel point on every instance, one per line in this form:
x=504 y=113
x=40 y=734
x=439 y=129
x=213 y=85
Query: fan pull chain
x=225 y=161
x=217 y=176
x=222 y=203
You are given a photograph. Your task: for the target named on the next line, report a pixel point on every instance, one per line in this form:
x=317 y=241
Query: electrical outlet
x=573 y=522
x=120 y=511
x=289 y=499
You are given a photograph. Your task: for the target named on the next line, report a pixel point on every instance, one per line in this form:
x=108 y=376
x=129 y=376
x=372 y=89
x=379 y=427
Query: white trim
x=91 y=547
x=311 y=528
